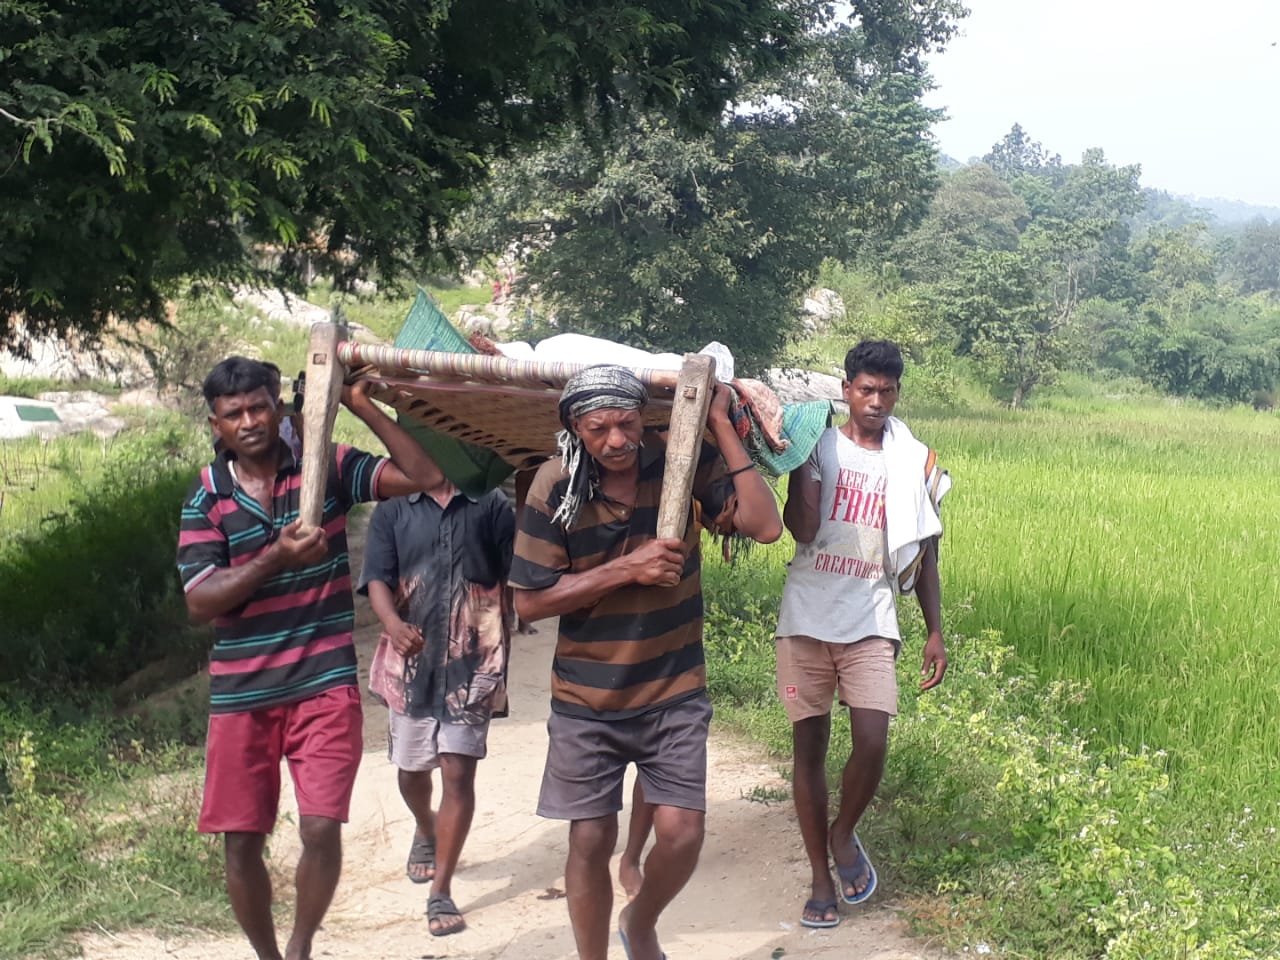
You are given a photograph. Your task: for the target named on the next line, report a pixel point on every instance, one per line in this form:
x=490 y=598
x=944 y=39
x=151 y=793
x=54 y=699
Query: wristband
x=734 y=473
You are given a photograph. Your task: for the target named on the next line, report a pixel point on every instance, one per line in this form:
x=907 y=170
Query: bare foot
x=639 y=944
x=629 y=876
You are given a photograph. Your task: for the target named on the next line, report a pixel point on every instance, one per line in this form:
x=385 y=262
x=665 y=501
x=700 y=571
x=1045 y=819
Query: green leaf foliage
x=144 y=144
x=665 y=239
x=90 y=596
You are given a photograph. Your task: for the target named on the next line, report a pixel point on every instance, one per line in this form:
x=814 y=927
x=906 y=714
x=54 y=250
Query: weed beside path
x=96 y=829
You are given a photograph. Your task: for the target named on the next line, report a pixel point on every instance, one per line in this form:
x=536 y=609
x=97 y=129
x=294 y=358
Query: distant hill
x=1169 y=209
x=1232 y=211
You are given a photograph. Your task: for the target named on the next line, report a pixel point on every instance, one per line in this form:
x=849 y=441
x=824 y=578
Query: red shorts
x=320 y=737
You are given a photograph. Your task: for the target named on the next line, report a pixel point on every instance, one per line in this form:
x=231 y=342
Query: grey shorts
x=587 y=759
x=415 y=743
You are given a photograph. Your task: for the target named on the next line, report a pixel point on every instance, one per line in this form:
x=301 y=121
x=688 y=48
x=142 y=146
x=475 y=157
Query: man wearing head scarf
x=629 y=680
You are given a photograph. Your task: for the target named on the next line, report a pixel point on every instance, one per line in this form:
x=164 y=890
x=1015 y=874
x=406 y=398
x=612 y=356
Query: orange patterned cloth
x=483 y=344
x=762 y=407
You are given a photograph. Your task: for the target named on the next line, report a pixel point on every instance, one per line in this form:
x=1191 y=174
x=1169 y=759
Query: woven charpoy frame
x=508 y=406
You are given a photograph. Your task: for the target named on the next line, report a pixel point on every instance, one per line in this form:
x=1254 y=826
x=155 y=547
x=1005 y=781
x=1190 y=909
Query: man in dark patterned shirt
x=435 y=570
x=283 y=667
x=629 y=679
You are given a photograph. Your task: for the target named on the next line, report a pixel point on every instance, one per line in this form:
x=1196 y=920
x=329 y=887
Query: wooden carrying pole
x=319 y=408
x=694 y=387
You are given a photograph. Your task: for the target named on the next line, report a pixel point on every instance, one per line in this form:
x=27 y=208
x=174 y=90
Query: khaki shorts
x=414 y=744
x=810 y=671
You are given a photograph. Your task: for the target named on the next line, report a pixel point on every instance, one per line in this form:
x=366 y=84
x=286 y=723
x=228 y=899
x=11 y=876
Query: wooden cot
x=505 y=405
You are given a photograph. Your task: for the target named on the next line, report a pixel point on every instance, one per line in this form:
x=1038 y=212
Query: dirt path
x=743 y=901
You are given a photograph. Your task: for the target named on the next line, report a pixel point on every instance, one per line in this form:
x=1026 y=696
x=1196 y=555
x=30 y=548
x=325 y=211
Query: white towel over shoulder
x=914 y=491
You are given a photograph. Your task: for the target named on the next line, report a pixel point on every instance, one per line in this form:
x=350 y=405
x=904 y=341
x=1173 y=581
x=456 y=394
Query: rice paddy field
x=1098 y=776
x=1133 y=547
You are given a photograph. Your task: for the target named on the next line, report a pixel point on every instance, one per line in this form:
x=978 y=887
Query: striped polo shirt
x=639 y=648
x=292 y=639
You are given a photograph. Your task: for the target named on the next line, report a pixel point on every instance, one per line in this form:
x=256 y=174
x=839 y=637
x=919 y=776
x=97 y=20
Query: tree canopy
x=668 y=238
x=1031 y=266
x=1010 y=249
x=148 y=143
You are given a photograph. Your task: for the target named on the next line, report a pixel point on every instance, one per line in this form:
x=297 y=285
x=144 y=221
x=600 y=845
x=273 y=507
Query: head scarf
x=603 y=387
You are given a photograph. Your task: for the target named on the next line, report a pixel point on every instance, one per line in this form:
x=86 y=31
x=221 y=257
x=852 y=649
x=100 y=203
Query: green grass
x=1128 y=545
x=1097 y=776
x=384 y=313
x=1131 y=547
x=96 y=830
x=32 y=387
x=38 y=478
x=87 y=583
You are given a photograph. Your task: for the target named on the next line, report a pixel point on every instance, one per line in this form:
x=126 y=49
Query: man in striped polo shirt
x=283 y=667
x=629 y=679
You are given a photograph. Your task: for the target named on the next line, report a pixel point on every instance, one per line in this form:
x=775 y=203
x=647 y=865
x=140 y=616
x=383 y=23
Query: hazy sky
x=1189 y=90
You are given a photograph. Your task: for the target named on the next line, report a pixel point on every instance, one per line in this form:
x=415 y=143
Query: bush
x=881 y=308
x=94 y=596
x=96 y=828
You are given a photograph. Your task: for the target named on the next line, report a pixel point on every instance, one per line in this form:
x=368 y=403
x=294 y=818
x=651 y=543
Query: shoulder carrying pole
x=684 y=441
x=319 y=408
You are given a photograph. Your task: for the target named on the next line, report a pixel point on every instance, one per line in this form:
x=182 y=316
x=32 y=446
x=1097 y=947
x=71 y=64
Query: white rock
x=825 y=304
x=800 y=386
x=147 y=397
x=281 y=307
x=75 y=358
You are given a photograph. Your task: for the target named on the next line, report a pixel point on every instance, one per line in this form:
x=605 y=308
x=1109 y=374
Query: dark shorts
x=587 y=759
x=321 y=737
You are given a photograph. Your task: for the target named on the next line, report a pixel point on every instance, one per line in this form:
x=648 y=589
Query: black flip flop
x=822 y=907
x=849 y=875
